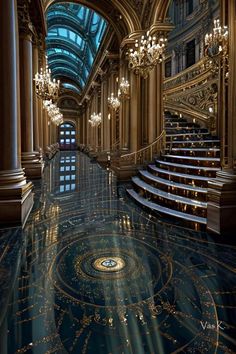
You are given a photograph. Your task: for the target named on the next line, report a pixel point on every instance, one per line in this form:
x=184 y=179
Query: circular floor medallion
x=109 y=264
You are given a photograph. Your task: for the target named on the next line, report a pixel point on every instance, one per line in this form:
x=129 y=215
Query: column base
x=221 y=206
x=16 y=197
x=32 y=164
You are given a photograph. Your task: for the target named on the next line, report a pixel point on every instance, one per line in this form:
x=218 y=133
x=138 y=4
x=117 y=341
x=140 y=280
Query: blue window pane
x=62 y=32
x=74 y=31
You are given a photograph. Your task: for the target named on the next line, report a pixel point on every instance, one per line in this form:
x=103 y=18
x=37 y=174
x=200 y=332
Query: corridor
x=95 y=274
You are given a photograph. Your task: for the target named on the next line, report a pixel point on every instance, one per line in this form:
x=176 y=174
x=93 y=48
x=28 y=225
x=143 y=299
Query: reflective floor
x=94 y=273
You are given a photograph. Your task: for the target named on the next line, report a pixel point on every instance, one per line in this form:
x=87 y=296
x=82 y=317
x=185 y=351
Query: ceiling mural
x=74 y=36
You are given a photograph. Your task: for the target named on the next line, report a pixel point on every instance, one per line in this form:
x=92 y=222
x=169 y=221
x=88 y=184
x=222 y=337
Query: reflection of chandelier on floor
x=123 y=92
x=53 y=112
x=46 y=88
x=146 y=54
x=113 y=102
x=96 y=119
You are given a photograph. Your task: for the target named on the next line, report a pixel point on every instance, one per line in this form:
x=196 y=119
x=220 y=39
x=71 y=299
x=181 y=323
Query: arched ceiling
x=74 y=36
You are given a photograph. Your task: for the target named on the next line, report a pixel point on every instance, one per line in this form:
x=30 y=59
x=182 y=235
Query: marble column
x=37 y=103
x=45 y=130
x=124 y=113
x=40 y=123
x=159 y=98
x=30 y=159
x=134 y=112
x=35 y=98
x=106 y=115
x=16 y=197
x=221 y=207
x=152 y=106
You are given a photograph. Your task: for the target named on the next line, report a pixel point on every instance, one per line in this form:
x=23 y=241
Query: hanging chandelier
x=146 y=54
x=53 y=111
x=123 y=92
x=113 y=102
x=95 y=119
x=217 y=42
x=45 y=87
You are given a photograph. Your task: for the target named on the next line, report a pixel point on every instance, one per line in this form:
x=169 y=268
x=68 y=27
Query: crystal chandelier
x=53 y=112
x=217 y=42
x=216 y=48
x=148 y=52
x=95 y=119
x=45 y=87
x=113 y=102
x=123 y=92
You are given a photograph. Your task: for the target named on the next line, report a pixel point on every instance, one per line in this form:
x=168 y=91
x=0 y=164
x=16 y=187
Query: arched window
x=67 y=136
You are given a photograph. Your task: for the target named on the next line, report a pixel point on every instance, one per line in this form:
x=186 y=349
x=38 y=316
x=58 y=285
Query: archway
x=67 y=136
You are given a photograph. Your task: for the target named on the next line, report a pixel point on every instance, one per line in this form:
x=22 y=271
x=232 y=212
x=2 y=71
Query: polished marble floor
x=92 y=273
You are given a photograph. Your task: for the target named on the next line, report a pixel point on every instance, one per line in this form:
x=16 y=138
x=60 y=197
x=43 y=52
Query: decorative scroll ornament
x=146 y=54
x=96 y=119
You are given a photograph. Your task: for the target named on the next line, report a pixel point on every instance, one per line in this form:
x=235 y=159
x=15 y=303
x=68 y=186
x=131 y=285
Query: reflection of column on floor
x=30 y=159
x=16 y=198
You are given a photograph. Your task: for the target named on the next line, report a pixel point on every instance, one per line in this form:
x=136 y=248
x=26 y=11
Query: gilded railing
x=116 y=144
x=146 y=154
x=199 y=71
x=194 y=92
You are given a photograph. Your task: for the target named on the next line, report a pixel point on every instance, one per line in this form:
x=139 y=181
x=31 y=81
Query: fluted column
x=16 y=198
x=30 y=159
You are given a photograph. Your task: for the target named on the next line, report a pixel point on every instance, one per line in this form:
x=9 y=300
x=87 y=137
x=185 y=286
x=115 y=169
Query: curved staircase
x=176 y=183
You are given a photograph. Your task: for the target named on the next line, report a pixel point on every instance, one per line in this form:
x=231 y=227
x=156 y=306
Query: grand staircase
x=176 y=183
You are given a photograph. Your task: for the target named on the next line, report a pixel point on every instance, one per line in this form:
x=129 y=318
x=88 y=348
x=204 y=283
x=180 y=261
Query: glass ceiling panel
x=71 y=87
x=74 y=36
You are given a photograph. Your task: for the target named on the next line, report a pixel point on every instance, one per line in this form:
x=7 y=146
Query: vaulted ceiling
x=74 y=36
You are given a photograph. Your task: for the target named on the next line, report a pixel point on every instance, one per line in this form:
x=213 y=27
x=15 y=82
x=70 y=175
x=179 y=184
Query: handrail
x=147 y=153
x=188 y=77
x=116 y=143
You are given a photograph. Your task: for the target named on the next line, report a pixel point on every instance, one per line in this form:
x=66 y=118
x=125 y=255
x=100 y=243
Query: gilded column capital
x=26 y=29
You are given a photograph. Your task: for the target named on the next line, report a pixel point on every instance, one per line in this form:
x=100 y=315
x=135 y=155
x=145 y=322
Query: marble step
x=181 y=124
x=176 y=199
x=193 y=143
x=194 y=152
x=198 y=136
x=158 y=208
x=184 y=176
x=170 y=183
x=210 y=171
x=193 y=160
